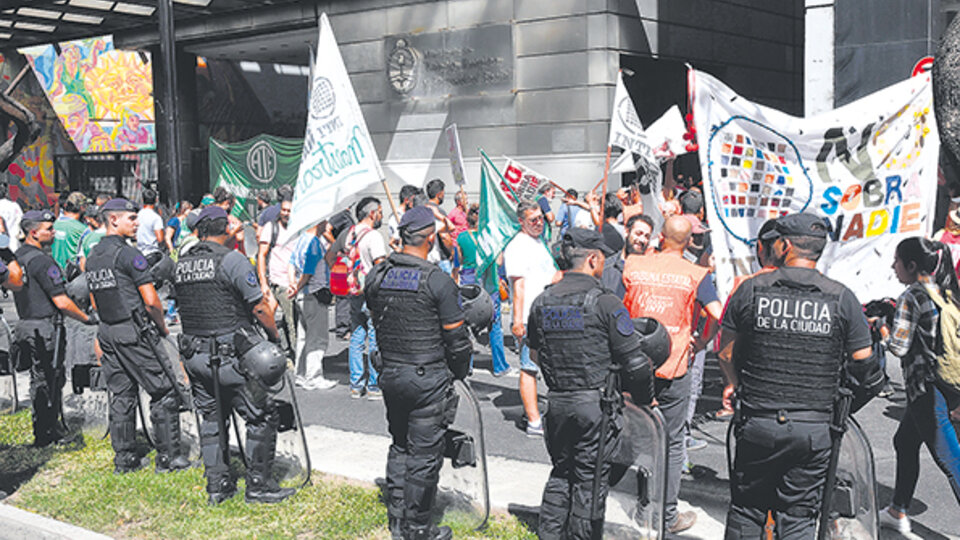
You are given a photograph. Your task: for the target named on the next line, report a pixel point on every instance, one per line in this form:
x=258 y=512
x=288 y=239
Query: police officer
x=121 y=284
x=39 y=305
x=784 y=337
x=424 y=345
x=219 y=295
x=581 y=335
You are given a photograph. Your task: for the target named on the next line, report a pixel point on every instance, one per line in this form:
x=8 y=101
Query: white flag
x=626 y=131
x=339 y=158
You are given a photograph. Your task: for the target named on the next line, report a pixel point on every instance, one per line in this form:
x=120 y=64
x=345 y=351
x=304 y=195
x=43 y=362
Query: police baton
x=222 y=435
x=152 y=336
x=57 y=360
x=607 y=399
x=838 y=426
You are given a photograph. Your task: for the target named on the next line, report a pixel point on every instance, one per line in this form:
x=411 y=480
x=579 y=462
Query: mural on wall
x=31 y=176
x=103 y=96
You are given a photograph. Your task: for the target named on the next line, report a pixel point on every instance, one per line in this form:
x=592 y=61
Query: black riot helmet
x=477 y=306
x=260 y=361
x=163 y=270
x=654 y=339
x=79 y=291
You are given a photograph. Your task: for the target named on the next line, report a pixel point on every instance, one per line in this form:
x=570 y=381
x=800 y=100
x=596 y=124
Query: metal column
x=169 y=109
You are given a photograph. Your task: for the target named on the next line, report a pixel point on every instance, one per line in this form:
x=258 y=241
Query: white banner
x=456 y=156
x=339 y=158
x=524 y=181
x=665 y=137
x=626 y=131
x=869 y=168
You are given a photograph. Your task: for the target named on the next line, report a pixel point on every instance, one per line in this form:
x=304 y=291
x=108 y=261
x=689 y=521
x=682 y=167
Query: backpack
x=345 y=279
x=948 y=349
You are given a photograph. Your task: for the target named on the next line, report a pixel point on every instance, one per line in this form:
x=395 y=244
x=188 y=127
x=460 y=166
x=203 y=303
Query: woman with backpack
x=926 y=267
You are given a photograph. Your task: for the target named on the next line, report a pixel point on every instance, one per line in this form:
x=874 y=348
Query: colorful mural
x=103 y=96
x=31 y=176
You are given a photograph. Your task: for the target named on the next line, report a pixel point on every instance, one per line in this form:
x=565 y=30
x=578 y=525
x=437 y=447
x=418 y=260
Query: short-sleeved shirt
x=526 y=257
x=42 y=280
x=90 y=240
x=459 y=219
x=544 y=204
x=854 y=329
x=131 y=268
x=66 y=239
x=370 y=245
x=150 y=222
x=174 y=223
x=240 y=273
x=307 y=258
x=279 y=253
x=468 y=249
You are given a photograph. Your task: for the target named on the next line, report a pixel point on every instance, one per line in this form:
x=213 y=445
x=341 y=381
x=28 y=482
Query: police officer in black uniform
x=424 y=345
x=121 y=284
x=785 y=335
x=218 y=295
x=40 y=304
x=583 y=339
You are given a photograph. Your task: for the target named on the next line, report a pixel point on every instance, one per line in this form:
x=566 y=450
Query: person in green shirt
x=68 y=230
x=467 y=242
x=92 y=236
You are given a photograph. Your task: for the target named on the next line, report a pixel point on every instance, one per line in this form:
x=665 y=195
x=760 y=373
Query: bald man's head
x=676 y=232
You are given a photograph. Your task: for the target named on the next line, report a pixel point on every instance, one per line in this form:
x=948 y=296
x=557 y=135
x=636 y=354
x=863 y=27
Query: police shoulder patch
x=54 y=273
x=139 y=262
x=251 y=278
x=402 y=279
x=624 y=322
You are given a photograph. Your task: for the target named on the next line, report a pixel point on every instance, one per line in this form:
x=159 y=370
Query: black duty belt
x=783 y=415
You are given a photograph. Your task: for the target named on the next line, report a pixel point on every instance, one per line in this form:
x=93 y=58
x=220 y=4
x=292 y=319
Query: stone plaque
x=451 y=63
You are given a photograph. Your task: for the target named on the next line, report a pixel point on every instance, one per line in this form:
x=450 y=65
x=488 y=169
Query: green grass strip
x=77 y=485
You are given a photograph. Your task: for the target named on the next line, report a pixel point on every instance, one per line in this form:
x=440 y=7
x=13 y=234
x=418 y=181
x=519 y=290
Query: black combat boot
x=396 y=525
x=261 y=447
x=220 y=489
x=128 y=462
x=165 y=415
x=427 y=532
x=263 y=489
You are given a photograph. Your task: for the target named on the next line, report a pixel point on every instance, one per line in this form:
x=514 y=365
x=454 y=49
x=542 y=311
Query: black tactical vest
x=31 y=300
x=792 y=349
x=208 y=304
x=404 y=311
x=105 y=281
x=575 y=348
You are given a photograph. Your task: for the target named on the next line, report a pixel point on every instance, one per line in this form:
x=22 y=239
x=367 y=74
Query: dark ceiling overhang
x=134 y=22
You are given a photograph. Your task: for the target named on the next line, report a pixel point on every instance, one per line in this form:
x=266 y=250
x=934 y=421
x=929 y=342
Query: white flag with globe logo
x=627 y=132
x=339 y=158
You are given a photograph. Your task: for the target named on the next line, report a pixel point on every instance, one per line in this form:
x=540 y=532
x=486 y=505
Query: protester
x=177 y=227
x=926 y=268
x=276 y=246
x=613 y=232
x=566 y=215
x=227 y=200
x=458 y=216
x=365 y=248
x=310 y=287
x=150 y=234
x=639 y=229
x=786 y=363
x=92 y=236
x=443 y=250
x=667 y=287
x=546 y=194
x=10 y=213
x=691 y=206
x=530 y=268
x=407 y=195
x=68 y=229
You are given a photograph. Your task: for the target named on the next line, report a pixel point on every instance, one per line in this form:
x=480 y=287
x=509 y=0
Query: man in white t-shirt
x=372 y=250
x=276 y=246
x=11 y=213
x=530 y=268
x=150 y=234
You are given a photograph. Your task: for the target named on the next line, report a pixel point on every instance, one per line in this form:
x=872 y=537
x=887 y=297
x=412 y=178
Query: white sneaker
x=321 y=383
x=302 y=382
x=901 y=524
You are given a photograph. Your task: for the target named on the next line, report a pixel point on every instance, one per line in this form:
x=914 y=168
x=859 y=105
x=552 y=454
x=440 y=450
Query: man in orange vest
x=667 y=287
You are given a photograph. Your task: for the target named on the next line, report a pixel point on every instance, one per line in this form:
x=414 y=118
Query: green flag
x=264 y=162
x=497 y=224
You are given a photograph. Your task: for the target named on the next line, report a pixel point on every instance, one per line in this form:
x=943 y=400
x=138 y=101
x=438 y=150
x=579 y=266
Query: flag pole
x=603 y=197
x=393 y=205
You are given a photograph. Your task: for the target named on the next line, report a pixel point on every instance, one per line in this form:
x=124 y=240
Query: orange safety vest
x=664 y=286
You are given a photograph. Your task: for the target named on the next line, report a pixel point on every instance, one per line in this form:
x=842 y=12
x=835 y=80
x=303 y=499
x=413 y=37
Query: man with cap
x=784 y=337
x=219 y=297
x=580 y=334
x=40 y=302
x=424 y=345
x=121 y=285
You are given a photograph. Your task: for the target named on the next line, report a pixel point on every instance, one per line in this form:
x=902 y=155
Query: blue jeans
x=496 y=339
x=364 y=336
x=926 y=421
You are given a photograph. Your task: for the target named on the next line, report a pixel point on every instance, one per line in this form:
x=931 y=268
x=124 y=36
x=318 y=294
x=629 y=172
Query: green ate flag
x=264 y=162
x=497 y=224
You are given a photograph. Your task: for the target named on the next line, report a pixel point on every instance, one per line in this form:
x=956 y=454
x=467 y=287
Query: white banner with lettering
x=339 y=158
x=869 y=168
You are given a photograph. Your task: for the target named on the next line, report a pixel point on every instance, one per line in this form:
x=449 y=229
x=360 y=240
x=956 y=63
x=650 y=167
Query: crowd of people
x=654 y=263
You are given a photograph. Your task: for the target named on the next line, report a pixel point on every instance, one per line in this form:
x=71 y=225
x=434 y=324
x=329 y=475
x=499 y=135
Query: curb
x=19 y=524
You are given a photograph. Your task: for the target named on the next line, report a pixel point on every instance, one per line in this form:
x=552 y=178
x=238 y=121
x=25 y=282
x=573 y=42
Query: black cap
x=211 y=212
x=417 y=218
x=39 y=215
x=118 y=205
x=586 y=239
x=92 y=211
x=798 y=225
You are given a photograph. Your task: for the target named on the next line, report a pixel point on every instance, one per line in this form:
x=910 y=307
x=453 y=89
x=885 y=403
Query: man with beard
x=122 y=287
x=41 y=299
x=442 y=253
x=276 y=246
x=365 y=246
x=639 y=229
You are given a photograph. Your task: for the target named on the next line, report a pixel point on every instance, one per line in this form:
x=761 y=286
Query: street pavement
x=349 y=437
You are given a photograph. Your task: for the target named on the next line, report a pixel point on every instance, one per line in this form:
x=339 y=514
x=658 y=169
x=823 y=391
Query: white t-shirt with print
x=526 y=257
